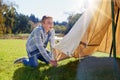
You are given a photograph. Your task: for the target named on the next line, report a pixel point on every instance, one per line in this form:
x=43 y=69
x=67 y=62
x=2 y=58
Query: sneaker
x=19 y=60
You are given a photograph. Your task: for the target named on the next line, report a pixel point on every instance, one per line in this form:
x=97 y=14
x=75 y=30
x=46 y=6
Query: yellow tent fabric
x=117 y=2
x=98 y=36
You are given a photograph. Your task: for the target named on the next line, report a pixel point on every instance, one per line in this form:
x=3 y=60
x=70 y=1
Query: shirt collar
x=45 y=31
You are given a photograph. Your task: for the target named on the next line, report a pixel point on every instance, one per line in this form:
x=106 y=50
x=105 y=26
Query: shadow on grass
x=89 y=68
x=27 y=73
x=46 y=72
x=102 y=68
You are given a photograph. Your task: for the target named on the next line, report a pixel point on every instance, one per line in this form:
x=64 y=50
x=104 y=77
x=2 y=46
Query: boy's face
x=48 y=24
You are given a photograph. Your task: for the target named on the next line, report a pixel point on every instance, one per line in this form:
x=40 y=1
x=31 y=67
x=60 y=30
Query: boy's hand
x=53 y=62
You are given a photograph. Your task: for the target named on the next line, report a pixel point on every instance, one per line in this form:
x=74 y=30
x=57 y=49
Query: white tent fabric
x=71 y=41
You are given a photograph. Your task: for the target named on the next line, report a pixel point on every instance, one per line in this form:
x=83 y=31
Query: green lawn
x=10 y=49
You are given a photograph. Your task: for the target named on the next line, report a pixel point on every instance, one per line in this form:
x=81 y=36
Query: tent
x=92 y=32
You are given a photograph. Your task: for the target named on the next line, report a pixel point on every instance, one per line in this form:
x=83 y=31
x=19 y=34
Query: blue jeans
x=33 y=60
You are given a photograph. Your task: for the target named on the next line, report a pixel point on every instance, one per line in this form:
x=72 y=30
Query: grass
x=10 y=49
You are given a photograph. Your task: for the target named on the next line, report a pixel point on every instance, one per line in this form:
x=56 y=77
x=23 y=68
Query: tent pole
x=115 y=31
x=114 y=39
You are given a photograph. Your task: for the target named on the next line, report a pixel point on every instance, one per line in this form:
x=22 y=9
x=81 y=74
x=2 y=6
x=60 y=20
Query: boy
x=37 y=42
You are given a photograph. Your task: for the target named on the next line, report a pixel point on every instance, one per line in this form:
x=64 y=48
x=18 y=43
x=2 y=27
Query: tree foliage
x=7 y=13
x=71 y=21
x=2 y=19
x=9 y=18
x=12 y=22
x=33 y=18
x=59 y=29
x=21 y=24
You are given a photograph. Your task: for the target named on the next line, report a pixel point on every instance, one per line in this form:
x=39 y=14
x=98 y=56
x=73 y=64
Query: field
x=68 y=69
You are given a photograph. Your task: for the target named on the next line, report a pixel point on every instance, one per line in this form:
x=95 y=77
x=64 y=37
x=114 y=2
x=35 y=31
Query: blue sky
x=58 y=9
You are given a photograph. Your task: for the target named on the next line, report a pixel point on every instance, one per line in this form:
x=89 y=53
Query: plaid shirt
x=37 y=40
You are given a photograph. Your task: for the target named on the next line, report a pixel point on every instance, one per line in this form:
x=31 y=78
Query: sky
x=58 y=9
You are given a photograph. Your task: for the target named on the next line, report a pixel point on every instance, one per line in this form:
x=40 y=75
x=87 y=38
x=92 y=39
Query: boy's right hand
x=53 y=62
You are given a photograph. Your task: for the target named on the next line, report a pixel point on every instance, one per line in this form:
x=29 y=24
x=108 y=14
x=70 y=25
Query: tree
x=71 y=21
x=7 y=12
x=2 y=19
x=59 y=29
x=9 y=18
x=21 y=24
x=33 y=18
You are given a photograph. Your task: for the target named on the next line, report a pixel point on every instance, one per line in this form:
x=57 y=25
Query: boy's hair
x=44 y=18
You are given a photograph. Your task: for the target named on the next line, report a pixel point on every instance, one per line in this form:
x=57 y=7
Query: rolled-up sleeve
x=40 y=44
